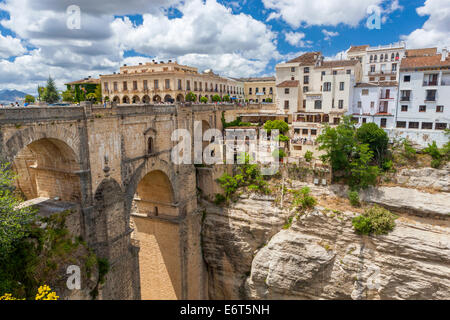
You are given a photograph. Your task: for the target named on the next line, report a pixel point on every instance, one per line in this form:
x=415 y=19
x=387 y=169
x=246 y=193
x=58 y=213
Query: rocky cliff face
x=250 y=256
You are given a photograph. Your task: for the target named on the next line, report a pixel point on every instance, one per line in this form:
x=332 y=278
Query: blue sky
x=234 y=38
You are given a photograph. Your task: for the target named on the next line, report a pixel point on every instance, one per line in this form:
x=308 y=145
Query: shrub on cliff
x=376 y=221
x=303 y=199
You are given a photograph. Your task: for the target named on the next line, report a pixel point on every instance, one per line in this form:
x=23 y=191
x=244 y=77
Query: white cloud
x=10 y=47
x=436 y=30
x=342 y=55
x=329 y=34
x=207 y=35
x=296 y=39
x=319 y=12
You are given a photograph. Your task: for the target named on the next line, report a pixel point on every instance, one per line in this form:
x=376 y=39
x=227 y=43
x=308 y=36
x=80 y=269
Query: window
x=372 y=79
x=145 y=85
x=430 y=80
x=156 y=83
x=332 y=103
x=394 y=67
x=257 y=90
x=286 y=105
x=115 y=86
x=306 y=79
x=313 y=132
x=318 y=104
x=349 y=71
x=422 y=108
x=150 y=146
x=286 y=90
x=441 y=126
x=341 y=104
x=327 y=86
x=431 y=95
x=105 y=85
x=306 y=70
x=305 y=131
x=179 y=85
x=336 y=120
x=322 y=75
x=188 y=85
x=407 y=79
x=372 y=104
x=404 y=108
x=305 y=89
x=341 y=86
x=292 y=78
x=392 y=56
x=364 y=120
x=250 y=91
x=334 y=72
x=427 y=125
x=167 y=84
x=293 y=69
x=365 y=92
x=383 y=122
x=359 y=104
x=372 y=68
x=304 y=104
x=135 y=85
x=125 y=86
x=439 y=108
x=413 y=125
x=401 y=124
x=405 y=95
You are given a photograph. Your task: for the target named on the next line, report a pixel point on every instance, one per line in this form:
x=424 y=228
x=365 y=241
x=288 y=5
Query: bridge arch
x=180 y=98
x=155 y=220
x=48 y=168
x=126 y=100
x=116 y=99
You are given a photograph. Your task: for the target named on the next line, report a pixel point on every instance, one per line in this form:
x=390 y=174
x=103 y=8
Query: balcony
x=430 y=83
x=405 y=99
x=385 y=97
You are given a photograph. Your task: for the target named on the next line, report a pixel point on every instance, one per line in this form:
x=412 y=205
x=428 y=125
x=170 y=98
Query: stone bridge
x=114 y=164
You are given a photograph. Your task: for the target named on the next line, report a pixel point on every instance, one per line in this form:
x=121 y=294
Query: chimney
x=444 y=54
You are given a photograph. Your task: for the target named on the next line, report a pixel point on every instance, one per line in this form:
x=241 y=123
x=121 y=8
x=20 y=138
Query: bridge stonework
x=138 y=209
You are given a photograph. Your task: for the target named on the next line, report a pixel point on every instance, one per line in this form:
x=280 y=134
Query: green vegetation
x=436 y=154
x=376 y=138
x=29 y=99
x=226 y=98
x=279 y=125
x=91 y=97
x=269 y=100
x=236 y=123
x=349 y=152
x=302 y=199
x=308 y=156
x=216 y=98
x=204 y=100
x=279 y=154
x=68 y=96
x=249 y=176
x=375 y=220
x=191 y=97
x=50 y=94
x=353 y=196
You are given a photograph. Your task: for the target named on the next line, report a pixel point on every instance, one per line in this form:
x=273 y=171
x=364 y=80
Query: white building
x=381 y=63
x=423 y=110
x=375 y=103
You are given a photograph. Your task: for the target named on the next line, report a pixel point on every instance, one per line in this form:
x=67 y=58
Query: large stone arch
x=168 y=98
x=157 y=98
x=136 y=99
x=116 y=99
x=47 y=163
x=126 y=100
x=180 y=98
x=155 y=220
x=146 y=99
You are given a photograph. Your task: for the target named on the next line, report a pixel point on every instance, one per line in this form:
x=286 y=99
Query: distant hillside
x=11 y=95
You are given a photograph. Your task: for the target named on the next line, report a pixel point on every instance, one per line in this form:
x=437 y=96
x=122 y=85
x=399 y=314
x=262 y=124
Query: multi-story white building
x=381 y=63
x=375 y=103
x=314 y=92
x=423 y=110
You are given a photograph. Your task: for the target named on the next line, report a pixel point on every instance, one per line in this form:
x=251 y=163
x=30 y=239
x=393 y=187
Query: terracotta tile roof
x=338 y=63
x=425 y=62
x=357 y=49
x=421 y=52
x=85 y=81
x=289 y=84
x=308 y=58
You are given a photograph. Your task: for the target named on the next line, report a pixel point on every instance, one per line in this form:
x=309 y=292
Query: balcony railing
x=405 y=99
x=430 y=83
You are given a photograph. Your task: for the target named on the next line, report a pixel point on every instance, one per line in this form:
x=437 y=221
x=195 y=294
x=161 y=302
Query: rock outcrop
x=425 y=178
x=250 y=256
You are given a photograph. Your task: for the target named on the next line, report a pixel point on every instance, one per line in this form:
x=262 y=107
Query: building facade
x=315 y=92
x=423 y=110
x=375 y=103
x=260 y=90
x=155 y=82
x=379 y=64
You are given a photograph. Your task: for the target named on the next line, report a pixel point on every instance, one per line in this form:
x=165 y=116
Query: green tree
x=279 y=125
x=204 y=100
x=216 y=98
x=226 y=98
x=376 y=138
x=29 y=99
x=41 y=92
x=68 y=96
x=362 y=173
x=51 y=94
x=91 y=97
x=14 y=221
x=98 y=94
x=309 y=156
x=191 y=97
